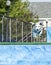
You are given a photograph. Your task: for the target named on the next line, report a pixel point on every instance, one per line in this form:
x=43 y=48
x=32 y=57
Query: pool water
x=25 y=54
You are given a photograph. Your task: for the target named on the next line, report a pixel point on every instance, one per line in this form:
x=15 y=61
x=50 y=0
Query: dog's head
x=37 y=29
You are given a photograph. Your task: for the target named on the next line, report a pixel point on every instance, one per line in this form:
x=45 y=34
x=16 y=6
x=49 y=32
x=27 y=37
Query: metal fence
x=11 y=30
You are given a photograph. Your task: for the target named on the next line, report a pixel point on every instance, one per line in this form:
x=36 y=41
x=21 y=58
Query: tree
x=17 y=9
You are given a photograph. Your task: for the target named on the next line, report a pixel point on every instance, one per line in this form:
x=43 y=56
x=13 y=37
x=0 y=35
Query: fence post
x=31 y=33
x=26 y=32
x=22 y=31
x=7 y=30
x=2 y=29
x=16 y=30
x=10 y=29
x=46 y=28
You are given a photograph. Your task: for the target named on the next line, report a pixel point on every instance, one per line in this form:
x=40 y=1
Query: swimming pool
x=25 y=54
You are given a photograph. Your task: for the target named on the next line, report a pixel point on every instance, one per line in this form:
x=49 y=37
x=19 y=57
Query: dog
x=37 y=30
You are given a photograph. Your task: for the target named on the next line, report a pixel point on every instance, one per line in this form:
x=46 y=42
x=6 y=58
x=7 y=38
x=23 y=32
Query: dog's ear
x=41 y=23
x=34 y=24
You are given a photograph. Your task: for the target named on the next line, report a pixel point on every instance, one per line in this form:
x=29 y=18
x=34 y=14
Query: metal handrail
x=25 y=37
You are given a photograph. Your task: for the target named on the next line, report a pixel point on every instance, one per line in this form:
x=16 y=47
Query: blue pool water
x=25 y=55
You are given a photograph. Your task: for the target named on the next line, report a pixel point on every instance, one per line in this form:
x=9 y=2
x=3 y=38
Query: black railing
x=18 y=31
